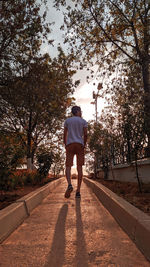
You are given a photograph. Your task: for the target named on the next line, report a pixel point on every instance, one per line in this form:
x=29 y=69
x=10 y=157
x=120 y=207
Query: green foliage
x=99 y=143
x=35 y=90
x=128 y=109
x=36 y=103
x=44 y=161
x=58 y=163
x=22 y=29
x=112 y=34
x=11 y=156
x=117 y=139
x=122 y=24
x=20 y=178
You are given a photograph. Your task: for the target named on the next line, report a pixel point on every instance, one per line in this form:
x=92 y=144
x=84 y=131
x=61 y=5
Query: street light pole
x=95 y=97
x=96 y=107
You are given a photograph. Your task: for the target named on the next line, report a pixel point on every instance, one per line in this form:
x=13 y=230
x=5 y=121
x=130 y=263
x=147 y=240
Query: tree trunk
x=128 y=150
x=95 y=166
x=146 y=82
x=29 y=154
x=29 y=138
x=29 y=163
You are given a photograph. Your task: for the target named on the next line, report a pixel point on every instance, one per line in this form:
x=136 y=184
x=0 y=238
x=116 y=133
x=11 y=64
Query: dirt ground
x=130 y=192
x=7 y=198
x=127 y=190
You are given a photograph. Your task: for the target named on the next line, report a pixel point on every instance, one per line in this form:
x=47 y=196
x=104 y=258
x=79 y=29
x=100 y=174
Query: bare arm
x=65 y=135
x=85 y=135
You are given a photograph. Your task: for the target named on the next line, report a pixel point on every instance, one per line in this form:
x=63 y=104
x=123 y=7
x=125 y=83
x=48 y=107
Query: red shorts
x=74 y=149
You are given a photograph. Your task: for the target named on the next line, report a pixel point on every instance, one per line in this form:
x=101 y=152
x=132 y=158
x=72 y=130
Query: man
x=75 y=138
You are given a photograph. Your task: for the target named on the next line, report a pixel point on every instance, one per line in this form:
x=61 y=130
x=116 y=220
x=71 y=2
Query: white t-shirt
x=75 y=127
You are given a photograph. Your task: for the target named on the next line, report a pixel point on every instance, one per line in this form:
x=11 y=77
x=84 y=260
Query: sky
x=84 y=92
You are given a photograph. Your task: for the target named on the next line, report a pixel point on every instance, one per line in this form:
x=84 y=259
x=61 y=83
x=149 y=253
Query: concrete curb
x=13 y=215
x=133 y=221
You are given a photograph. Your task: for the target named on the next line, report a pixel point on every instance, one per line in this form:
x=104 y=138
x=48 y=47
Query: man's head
x=76 y=111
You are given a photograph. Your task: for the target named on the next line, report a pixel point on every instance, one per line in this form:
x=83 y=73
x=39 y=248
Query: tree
x=58 y=163
x=34 y=90
x=110 y=32
x=35 y=103
x=99 y=143
x=44 y=160
x=57 y=147
x=11 y=156
x=23 y=29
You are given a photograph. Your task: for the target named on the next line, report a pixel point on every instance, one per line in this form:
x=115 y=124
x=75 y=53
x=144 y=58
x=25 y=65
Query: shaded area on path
x=56 y=256
x=81 y=252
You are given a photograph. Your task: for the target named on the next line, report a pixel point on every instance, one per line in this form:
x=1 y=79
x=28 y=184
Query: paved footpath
x=70 y=233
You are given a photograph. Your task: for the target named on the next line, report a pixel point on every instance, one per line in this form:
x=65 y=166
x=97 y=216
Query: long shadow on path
x=81 y=253
x=56 y=256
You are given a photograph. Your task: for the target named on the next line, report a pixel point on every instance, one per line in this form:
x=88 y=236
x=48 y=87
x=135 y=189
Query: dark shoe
x=78 y=195
x=68 y=191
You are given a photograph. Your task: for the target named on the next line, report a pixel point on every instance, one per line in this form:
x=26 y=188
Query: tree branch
x=110 y=39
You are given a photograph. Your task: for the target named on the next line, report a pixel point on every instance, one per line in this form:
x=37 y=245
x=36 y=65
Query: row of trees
x=115 y=35
x=107 y=147
x=35 y=90
x=34 y=105
x=119 y=135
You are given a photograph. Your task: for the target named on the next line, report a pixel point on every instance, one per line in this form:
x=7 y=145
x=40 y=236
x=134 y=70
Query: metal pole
x=96 y=107
x=95 y=159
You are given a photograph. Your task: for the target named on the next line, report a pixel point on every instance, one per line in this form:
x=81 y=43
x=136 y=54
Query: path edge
x=132 y=220
x=14 y=215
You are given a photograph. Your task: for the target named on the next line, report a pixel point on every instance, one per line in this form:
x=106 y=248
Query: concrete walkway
x=70 y=233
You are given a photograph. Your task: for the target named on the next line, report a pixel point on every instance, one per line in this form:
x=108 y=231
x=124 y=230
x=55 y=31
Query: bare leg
x=79 y=169
x=68 y=174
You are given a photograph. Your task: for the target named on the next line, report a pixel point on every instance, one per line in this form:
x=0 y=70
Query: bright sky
x=84 y=98
x=84 y=92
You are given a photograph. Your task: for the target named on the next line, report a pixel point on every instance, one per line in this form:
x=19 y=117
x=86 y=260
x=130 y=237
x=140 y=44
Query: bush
x=20 y=178
x=11 y=156
x=44 y=161
x=26 y=177
x=5 y=179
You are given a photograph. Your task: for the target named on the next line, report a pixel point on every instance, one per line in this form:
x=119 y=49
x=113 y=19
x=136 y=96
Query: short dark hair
x=75 y=109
